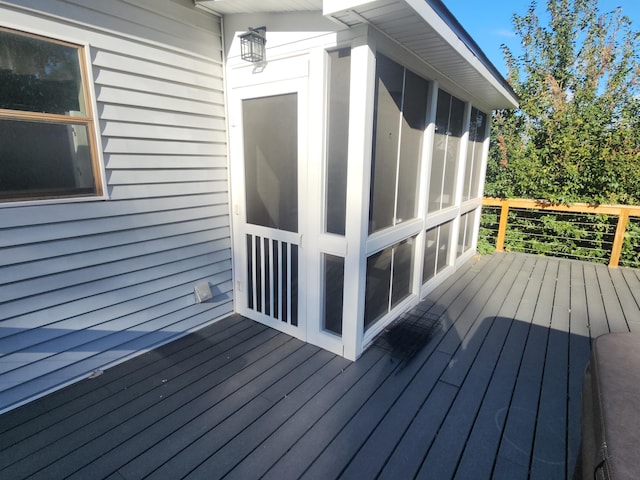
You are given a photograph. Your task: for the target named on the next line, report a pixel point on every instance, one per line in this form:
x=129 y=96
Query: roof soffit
x=424 y=27
x=418 y=27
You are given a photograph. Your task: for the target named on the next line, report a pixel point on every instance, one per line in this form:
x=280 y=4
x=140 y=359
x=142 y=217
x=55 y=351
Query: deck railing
x=603 y=233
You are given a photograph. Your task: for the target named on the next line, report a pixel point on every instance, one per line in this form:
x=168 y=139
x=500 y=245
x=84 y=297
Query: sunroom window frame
x=88 y=120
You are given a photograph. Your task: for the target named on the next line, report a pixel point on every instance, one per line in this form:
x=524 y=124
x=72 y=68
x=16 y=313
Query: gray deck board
x=579 y=350
x=190 y=428
x=520 y=424
x=470 y=368
x=371 y=456
x=494 y=393
x=612 y=306
x=630 y=306
x=484 y=438
x=361 y=374
x=89 y=422
x=244 y=442
x=63 y=403
x=549 y=454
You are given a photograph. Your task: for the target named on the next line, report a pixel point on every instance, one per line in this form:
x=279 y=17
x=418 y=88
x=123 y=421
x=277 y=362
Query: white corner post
x=362 y=94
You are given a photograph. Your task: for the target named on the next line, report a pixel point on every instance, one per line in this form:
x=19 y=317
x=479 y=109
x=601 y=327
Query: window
x=477 y=128
x=333 y=293
x=465 y=234
x=444 y=164
x=389 y=274
x=436 y=250
x=400 y=121
x=337 y=141
x=47 y=144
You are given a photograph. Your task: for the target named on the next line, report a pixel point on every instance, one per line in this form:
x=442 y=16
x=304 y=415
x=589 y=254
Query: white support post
x=358 y=185
x=483 y=173
x=462 y=159
x=423 y=192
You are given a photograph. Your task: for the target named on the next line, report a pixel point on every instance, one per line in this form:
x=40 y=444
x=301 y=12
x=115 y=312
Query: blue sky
x=489 y=22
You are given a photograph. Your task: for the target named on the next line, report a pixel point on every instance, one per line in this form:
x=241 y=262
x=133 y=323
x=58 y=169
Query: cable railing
x=607 y=234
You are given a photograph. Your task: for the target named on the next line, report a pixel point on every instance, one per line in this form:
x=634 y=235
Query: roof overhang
x=424 y=27
x=430 y=31
x=227 y=7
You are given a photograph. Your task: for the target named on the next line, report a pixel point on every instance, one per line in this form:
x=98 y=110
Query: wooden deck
x=493 y=393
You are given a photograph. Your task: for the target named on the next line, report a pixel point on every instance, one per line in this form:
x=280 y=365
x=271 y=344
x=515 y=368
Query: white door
x=268 y=158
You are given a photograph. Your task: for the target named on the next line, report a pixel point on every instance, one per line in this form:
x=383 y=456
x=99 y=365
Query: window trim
x=89 y=120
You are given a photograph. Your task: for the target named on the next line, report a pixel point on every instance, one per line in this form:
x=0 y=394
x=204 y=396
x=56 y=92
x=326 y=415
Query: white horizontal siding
x=133 y=177
x=120 y=96
x=113 y=112
x=156 y=132
x=163 y=24
x=65 y=304
x=160 y=190
x=123 y=161
x=138 y=73
x=84 y=285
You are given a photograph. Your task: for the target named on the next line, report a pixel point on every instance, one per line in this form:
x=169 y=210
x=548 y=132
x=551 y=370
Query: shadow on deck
x=492 y=390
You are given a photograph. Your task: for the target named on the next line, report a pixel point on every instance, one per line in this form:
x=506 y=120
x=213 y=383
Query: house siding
x=87 y=284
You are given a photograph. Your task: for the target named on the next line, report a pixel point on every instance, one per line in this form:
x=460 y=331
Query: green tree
x=576 y=135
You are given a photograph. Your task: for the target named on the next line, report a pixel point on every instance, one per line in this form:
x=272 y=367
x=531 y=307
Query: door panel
x=268 y=156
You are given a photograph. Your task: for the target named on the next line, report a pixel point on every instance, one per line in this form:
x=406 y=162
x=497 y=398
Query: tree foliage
x=576 y=135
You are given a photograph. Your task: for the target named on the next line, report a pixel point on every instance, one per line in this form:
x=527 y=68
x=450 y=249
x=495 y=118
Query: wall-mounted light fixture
x=252 y=45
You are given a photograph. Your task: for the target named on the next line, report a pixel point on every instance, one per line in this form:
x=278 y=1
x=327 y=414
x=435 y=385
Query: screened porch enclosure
x=349 y=207
x=422 y=158
x=362 y=194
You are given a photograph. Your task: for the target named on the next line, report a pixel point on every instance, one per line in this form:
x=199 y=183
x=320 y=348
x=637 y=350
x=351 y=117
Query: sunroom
x=358 y=144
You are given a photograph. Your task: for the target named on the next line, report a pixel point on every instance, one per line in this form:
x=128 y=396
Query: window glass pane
x=473 y=166
x=337 y=140
x=461 y=232
x=271 y=161
x=439 y=151
x=471 y=223
x=430 y=254
x=446 y=148
x=413 y=125
x=378 y=286
x=465 y=235
x=402 y=271
x=333 y=293
x=443 y=245
x=58 y=163
x=480 y=127
x=390 y=77
x=39 y=76
x=456 y=120
x=436 y=250
x=468 y=166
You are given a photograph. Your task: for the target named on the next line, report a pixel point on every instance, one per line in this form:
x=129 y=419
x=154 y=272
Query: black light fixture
x=252 y=45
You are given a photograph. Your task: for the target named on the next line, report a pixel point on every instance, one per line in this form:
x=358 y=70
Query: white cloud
x=503 y=32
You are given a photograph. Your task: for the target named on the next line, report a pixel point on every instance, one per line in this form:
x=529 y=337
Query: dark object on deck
x=405 y=337
x=611 y=409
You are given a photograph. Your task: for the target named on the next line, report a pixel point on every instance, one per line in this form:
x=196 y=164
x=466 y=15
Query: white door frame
x=241 y=228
